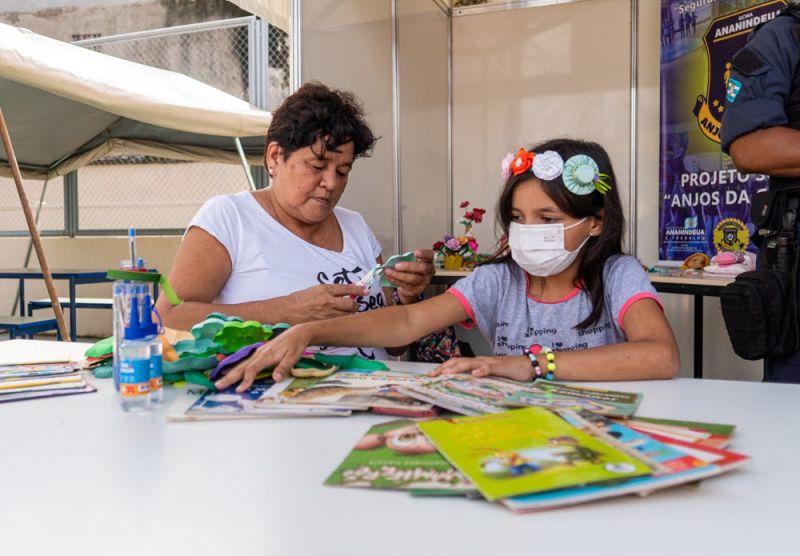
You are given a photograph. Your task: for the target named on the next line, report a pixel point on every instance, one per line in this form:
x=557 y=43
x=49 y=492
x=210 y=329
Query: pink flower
x=473 y=245
x=453 y=244
x=505 y=166
x=464 y=204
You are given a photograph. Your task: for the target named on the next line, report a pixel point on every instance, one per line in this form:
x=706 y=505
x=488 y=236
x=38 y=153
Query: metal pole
x=398 y=198
x=634 y=100
x=245 y=165
x=296 y=50
x=37 y=242
x=450 y=186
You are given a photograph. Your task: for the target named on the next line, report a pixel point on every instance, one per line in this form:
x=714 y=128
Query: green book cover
x=720 y=429
x=396 y=455
x=527 y=450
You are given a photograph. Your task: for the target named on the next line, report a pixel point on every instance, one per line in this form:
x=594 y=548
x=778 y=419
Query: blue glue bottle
x=156 y=360
x=134 y=367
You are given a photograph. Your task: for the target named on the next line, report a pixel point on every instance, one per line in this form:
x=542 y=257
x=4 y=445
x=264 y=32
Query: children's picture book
x=555 y=395
x=355 y=389
x=469 y=395
x=397 y=455
x=49 y=392
x=716 y=435
x=528 y=450
x=28 y=371
x=679 y=466
x=200 y=404
x=34 y=352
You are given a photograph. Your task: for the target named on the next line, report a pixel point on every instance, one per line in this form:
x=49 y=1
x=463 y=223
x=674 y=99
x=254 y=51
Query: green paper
x=390 y=263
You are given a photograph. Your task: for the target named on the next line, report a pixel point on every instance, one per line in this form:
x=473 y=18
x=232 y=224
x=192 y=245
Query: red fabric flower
x=477 y=215
x=522 y=162
x=464 y=204
x=469 y=215
x=438 y=245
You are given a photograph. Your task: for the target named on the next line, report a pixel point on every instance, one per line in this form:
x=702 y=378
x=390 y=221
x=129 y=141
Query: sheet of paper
x=28 y=352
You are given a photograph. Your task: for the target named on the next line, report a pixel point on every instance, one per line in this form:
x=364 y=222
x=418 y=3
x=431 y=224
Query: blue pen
x=132 y=245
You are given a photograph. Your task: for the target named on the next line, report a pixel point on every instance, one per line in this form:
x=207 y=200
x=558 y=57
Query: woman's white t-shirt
x=269 y=261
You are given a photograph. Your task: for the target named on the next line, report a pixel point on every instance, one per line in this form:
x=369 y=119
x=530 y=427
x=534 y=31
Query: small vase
x=453 y=262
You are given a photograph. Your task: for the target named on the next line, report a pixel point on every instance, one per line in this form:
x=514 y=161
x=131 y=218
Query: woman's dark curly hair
x=607 y=208
x=316 y=111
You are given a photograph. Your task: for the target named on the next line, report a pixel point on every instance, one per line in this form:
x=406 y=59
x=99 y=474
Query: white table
x=79 y=476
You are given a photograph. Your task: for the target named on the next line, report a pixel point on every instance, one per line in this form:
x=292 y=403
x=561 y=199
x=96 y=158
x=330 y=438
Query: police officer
x=761 y=132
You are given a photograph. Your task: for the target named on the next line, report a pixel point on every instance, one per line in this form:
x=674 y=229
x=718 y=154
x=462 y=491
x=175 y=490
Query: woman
x=288 y=253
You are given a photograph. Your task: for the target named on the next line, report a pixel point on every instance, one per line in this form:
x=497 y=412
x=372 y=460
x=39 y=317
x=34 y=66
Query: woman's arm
x=390 y=326
x=202 y=267
x=650 y=353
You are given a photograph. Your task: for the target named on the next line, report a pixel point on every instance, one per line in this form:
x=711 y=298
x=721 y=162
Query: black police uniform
x=763 y=92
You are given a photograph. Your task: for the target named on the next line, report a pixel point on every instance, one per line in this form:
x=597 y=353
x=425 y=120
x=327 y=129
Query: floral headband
x=580 y=173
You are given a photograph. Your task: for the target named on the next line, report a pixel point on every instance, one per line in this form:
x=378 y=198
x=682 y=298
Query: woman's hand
x=282 y=353
x=325 y=301
x=411 y=279
x=513 y=367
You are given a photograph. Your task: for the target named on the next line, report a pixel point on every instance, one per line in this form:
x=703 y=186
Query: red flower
x=464 y=204
x=469 y=215
x=477 y=215
x=522 y=162
x=438 y=245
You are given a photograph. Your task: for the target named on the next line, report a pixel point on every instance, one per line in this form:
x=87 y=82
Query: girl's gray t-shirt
x=496 y=298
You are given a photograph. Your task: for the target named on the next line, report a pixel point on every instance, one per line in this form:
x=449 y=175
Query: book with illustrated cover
x=397 y=455
x=527 y=450
x=716 y=435
x=673 y=467
x=27 y=371
x=357 y=390
x=469 y=395
x=200 y=404
x=555 y=395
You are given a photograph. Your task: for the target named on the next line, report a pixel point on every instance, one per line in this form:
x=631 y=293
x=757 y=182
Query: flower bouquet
x=454 y=249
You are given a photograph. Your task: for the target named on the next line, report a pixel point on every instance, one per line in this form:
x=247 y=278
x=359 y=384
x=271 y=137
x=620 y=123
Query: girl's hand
x=516 y=368
x=282 y=353
x=411 y=279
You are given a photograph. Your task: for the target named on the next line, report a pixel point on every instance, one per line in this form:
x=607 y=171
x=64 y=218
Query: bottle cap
x=150 y=328
x=134 y=329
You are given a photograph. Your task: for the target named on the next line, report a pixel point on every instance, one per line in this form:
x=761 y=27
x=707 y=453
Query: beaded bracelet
x=537 y=369
x=550 y=356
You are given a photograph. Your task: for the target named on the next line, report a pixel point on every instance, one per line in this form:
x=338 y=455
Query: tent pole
x=245 y=165
x=30 y=245
x=37 y=241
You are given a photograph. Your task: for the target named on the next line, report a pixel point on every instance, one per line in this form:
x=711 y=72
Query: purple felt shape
x=234 y=358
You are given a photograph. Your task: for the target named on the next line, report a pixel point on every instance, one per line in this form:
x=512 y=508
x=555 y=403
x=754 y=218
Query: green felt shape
x=103 y=347
x=235 y=335
x=189 y=364
x=202 y=347
x=103 y=371
x=393 y=260
x=200 y=379
x=209 y=327
x=346 y=362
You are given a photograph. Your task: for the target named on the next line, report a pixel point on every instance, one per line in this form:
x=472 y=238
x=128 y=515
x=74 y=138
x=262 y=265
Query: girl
x=558 y=300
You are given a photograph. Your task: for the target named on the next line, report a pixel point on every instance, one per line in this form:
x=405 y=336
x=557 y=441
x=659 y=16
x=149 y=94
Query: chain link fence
x=245 y=57
x=49 y=207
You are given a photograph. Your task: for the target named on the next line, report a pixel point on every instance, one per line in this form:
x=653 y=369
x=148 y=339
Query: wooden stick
x=37 y=242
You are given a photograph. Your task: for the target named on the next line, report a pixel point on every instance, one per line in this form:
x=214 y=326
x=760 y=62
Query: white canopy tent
x=67 y=106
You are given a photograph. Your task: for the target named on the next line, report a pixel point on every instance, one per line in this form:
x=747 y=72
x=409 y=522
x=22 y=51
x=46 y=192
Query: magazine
x=200 y=404
x=527 y=450
x=469 y=395
x=396 y=455
x=355 y=389
x=716 y=435
x=682 y=466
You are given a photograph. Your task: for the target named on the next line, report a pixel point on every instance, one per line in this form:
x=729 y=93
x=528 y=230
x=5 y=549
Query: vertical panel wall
x=423 y=95
x=348 y=44
x=525 y=75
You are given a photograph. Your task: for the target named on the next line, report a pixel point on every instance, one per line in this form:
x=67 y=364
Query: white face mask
x=539 y=248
